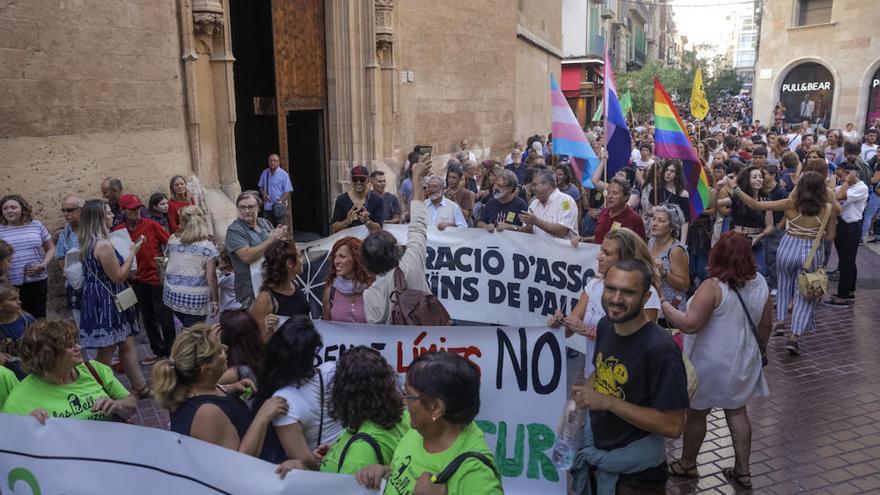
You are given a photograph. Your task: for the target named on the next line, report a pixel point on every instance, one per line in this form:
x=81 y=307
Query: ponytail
x=173 y=377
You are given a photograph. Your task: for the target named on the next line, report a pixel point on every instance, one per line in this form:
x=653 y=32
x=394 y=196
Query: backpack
x=415 y=307
x=449 y=471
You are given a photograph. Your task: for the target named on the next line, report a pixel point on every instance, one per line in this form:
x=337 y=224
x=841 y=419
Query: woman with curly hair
x=280 y=295
x=288 y=372
x=748 y=220
x=368 y=404
x=61 y=383
x=348 y=278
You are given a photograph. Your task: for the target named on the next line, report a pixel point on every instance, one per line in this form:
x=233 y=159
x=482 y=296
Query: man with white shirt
x=517 y=150
x=869 y=147
x=852 y=194
x=552 y=213
x=442 y=211
x=850 y=134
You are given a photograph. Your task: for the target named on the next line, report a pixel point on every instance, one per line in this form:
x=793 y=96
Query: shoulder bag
x=761 y=347
x=813 y=284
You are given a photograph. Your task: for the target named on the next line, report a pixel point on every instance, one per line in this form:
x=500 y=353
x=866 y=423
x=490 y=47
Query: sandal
x=779 y=330
x=742 y=479
x=676 y=468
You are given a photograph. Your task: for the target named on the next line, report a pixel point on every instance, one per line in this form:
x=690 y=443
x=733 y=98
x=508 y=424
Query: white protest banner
x=505 y=278
x=522 y=389
x=72 y=456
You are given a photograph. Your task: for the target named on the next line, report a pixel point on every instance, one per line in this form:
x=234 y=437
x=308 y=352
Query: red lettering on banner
x=418 y=350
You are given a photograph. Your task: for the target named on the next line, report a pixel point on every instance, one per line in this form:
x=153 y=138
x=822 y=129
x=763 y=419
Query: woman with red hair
x=727 y=324
x=348 y=278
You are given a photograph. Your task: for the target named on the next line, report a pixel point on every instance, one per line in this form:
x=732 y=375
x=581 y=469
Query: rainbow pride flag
x=671 y=141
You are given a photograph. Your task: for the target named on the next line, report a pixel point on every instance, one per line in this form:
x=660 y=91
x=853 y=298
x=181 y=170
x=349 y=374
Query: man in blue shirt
x=275 y=188
x=67 y=241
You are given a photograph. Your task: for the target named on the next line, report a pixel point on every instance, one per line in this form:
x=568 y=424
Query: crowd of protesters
x=233 y=363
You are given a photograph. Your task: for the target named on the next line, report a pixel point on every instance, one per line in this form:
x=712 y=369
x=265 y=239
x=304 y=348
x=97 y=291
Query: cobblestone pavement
x=819 y=430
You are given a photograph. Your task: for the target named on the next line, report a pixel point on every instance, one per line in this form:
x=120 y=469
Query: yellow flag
x=699 y=104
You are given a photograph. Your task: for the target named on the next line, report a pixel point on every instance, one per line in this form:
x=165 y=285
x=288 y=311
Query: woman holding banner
x=444 y=446
x=346 y=281
x=61 y=383
x=187 y=384
x=619 y=244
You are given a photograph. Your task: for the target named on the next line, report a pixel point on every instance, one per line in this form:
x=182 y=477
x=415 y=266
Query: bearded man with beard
x=637 y=395
x=502 y=210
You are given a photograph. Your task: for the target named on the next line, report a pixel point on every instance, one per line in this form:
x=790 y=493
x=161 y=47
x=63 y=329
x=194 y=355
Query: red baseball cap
x=359 y=171
x=130 y=202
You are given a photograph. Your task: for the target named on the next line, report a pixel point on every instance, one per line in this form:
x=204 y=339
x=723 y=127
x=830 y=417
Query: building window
x=813 y=12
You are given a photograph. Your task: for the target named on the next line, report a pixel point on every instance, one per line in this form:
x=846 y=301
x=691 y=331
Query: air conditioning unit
x=607 y=14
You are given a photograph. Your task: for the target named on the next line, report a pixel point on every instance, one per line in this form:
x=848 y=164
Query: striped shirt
x=27 y=241
x=560 y=208
x=186 y=282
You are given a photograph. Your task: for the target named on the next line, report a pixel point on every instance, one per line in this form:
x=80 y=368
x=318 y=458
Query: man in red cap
x=158 y=319
x=358 y=206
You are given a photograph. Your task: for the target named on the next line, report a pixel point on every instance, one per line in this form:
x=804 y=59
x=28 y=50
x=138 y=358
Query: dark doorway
x=307 y=155
x=256 y=127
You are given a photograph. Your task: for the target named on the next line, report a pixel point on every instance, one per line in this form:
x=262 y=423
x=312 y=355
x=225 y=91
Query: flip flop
x=742 y=479
x=676 y=468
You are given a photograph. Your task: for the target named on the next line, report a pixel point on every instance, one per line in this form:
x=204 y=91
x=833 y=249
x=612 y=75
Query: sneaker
x=875 y=240
x=793 y=347
x=837 y=302
x=773 y=293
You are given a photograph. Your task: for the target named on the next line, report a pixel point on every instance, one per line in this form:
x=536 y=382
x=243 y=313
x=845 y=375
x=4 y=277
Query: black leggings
x=33 y=297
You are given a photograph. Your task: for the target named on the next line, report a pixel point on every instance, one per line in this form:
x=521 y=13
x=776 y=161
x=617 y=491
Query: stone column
x=210 y=101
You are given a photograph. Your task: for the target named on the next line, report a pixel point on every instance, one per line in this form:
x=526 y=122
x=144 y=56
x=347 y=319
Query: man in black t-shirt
x=358 y=206
x=639 y=387
x=502 y=210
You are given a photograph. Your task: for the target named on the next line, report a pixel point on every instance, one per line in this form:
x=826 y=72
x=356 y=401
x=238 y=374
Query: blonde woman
x=187 y=385
x=191 y=289
x=619 y=244
x=105 y=275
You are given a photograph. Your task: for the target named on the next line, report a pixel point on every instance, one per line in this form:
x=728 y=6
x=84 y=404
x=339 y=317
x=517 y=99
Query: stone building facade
x=145 y=90
x=821 y=60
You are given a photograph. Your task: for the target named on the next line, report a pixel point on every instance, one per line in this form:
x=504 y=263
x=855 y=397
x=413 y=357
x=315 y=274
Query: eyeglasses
x=248 y=207
x=69 y=210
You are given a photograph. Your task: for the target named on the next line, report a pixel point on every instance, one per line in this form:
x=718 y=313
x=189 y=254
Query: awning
x=571 y=79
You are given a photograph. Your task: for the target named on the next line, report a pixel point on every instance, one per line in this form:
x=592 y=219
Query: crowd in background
x=233 y=362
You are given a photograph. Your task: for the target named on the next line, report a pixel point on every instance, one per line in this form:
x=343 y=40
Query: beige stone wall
x=849 y=47
x=473 y=77
x=89 y=90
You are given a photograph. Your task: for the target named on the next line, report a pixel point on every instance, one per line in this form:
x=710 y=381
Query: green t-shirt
x=361 y=454
x=72 y=400
x=411 y=460
x=8 y=381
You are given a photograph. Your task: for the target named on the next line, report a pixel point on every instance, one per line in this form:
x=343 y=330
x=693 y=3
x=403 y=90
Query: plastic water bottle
x=568 y=435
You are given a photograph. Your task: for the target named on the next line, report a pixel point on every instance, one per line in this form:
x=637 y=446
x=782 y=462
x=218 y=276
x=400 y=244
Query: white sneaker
x=773 y=293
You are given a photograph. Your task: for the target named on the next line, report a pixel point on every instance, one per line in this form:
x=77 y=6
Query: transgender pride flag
x=568 y=137
x=617 y=139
